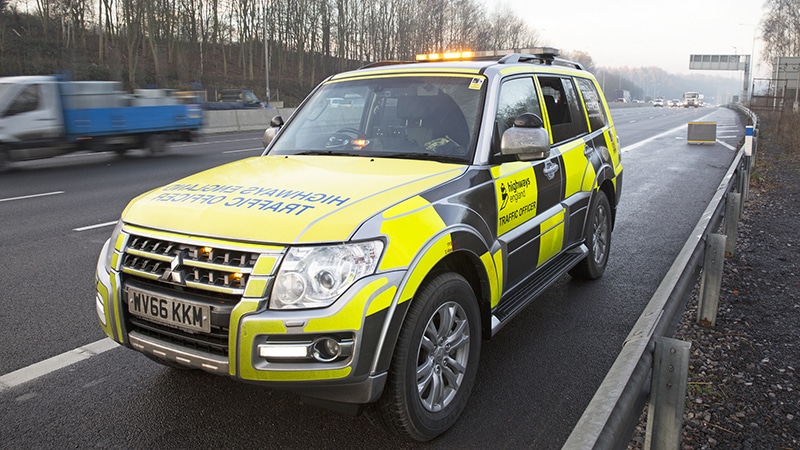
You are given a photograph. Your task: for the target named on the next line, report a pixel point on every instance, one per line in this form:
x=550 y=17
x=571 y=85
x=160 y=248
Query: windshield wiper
x=424 y=156
x=327 y=153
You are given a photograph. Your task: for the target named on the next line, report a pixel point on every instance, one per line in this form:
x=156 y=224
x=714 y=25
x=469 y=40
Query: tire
x=3 y=157
x=598 y=240
x=435 y=361
x=156 y=143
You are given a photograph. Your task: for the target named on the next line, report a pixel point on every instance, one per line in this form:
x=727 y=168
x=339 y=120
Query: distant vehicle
x=237 y=99
x=44 y=116
x=691 y=98
x=623 y=94
x=675 y=103
x=620 y=100
x=658 y=102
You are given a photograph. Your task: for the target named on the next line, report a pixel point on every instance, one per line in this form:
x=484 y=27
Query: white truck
x=43 y=116
x=691 y=98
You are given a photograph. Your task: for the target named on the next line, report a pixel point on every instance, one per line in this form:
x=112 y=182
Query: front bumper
x=256 y=335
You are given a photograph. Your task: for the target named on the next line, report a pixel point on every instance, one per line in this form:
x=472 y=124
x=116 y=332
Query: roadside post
x=667 y=394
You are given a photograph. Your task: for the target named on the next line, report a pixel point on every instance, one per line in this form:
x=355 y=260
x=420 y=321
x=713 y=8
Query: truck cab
x=31 y=118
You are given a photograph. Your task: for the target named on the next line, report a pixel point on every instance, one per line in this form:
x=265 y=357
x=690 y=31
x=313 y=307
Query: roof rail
x=384 y=63
x=547 y=58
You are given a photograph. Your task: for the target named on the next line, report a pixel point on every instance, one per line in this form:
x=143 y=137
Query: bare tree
x=44 y=7
x=132 y=21
x=780 y=29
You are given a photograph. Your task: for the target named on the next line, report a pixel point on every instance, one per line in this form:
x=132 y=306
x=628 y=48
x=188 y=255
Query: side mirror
x=274 y=126
x=527 y=139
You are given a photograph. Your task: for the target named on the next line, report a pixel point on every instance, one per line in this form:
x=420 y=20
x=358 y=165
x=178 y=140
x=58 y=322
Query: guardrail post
x=667 y=394
x=744 y=178
x=749 y=145
x=733 y=209
x=711 y=281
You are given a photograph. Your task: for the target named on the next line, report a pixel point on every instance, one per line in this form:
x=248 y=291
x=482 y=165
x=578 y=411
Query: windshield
x=5 y=91
x=421 y=117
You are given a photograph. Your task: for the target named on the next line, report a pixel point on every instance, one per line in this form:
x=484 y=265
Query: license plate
x=169 y=311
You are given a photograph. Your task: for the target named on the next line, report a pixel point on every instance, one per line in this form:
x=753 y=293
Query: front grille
x=215 y=343
x=199 y=271
x=191 y=265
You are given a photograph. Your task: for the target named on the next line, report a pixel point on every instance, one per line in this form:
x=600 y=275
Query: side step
x=528 y=290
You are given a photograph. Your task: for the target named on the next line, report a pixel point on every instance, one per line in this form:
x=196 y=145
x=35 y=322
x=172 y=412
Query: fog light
x=292 y=351
x=326 y=349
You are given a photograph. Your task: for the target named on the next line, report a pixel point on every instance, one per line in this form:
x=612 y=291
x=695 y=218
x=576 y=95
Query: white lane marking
x=57 y=362
x=652 y=138
x=244 y=150
x=92 y=227
x=84 y=154
x=725 y=144
x=24 y=197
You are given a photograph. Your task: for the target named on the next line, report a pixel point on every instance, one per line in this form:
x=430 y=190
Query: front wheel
x=598 y=239
x=435 y=361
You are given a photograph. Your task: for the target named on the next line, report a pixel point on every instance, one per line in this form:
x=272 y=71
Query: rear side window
x=563 y=108
x=594 y=109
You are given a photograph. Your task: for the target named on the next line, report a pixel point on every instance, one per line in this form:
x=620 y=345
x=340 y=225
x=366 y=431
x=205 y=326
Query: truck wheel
x=598 y=239
x=435 y=360
x=156 y=143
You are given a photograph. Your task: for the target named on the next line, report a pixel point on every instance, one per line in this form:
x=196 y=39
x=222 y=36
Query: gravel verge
x=743 y=390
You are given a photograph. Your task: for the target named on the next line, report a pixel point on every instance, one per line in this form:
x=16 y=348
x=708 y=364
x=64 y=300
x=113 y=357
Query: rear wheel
x=598 y=240
x=435 y=361
x=156 y=143
x=3 y=156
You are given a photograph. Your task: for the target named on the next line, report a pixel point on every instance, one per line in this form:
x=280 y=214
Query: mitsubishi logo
x=174 y=274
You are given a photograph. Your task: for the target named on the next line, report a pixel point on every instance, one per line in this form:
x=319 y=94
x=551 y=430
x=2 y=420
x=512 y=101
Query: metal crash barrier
x=608 y=422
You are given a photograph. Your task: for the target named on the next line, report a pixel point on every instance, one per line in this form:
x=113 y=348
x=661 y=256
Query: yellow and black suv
x=404 y=213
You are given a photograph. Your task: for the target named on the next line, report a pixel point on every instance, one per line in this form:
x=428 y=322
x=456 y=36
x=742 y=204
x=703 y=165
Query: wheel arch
x=465 y=262
x=607 y=187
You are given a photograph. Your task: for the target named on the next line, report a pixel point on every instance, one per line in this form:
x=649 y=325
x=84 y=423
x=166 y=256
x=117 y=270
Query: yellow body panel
x=408 y=226
x=516 y=195
x=438 y=250
x=576 y=169
x=264 y=200
x=552 y=240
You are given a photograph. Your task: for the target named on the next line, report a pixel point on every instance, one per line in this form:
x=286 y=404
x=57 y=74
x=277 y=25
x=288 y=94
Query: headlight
x=314 y=277
x=109 y=248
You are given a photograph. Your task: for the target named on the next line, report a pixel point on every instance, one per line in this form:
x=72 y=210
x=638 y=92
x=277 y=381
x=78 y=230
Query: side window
x=517 y=96
x=27 y=100
x=563 y=108
x=594 y=108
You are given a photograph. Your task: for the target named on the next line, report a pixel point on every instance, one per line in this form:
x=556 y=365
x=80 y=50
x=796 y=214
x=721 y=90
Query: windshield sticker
x=476 y=84
x=285 y=201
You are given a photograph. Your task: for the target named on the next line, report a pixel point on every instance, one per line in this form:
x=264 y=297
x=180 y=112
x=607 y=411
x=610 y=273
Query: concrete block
x=702 y=133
